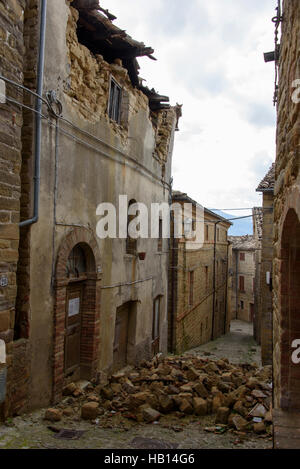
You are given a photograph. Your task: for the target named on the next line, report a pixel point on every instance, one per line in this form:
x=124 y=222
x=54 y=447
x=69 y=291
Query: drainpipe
x=226 y=289
x=172 y=265
x=38 y=117
x=214 y=280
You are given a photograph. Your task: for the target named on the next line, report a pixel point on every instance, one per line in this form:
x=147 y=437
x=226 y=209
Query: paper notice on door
x=74 y=307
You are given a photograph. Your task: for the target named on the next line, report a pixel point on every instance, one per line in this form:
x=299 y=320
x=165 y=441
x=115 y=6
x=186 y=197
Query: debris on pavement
x=238 y=395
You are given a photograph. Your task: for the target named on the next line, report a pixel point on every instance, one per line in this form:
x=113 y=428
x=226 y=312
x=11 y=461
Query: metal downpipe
x=38 y=117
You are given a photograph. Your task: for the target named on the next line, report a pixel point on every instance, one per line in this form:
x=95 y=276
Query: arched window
x=131 y=243
x=76 y=264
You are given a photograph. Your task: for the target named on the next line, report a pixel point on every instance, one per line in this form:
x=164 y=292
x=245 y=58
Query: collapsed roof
x=96 y=31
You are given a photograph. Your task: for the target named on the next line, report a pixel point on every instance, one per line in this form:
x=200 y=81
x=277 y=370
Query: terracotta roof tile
x=268 y=182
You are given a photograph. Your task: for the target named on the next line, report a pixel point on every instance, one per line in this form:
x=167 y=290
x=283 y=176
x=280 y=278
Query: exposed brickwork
x=11 y=66
x=286 y=277
x=11 y=120
x=31 y=40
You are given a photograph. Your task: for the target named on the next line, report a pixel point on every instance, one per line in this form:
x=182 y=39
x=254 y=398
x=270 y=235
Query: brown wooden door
x=73 y=331
x=121 y=337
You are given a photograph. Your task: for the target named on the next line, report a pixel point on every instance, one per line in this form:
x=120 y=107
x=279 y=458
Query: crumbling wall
x=164 y=122
x=88 y=84
x=88 y=87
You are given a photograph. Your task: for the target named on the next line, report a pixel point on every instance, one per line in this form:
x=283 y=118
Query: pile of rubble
x=240 y=396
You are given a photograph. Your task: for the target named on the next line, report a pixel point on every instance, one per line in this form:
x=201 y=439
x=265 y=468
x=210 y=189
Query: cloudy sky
x=210 y=59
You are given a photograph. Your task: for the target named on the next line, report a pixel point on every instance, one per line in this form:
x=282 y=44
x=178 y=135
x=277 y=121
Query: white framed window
x=114 y=101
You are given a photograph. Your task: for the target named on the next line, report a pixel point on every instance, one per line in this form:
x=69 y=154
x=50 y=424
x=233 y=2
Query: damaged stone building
x=199 y=303
x=77 y=129
x=286 y=264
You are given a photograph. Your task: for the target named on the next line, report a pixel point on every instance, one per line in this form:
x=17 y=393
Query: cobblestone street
x=114 y=431
x=238 y=345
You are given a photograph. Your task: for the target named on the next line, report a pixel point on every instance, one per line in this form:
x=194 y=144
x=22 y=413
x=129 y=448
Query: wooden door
x=73 y=331
x=121 y=337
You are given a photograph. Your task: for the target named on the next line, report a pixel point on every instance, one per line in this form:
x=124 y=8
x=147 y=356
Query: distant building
x=243 y=277
x=198 y=308
x=266 y=187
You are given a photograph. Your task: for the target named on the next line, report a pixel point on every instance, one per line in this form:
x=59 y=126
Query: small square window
x=114 y=103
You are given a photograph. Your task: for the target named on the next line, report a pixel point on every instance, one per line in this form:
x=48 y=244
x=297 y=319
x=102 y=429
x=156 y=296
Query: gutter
x=38 y=117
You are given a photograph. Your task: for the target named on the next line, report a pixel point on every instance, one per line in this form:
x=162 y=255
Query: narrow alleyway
x=238 y=345
x=112 y=430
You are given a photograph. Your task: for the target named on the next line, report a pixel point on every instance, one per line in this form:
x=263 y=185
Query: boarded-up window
x=242 y=283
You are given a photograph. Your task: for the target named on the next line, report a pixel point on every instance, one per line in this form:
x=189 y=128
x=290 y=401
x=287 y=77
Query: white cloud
x=210 y=58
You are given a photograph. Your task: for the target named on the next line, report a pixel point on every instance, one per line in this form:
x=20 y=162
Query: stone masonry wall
x=265 y=290
x=287 y=193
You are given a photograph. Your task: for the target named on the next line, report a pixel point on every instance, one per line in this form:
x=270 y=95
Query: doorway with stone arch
x=290 y=311
x=77 y=292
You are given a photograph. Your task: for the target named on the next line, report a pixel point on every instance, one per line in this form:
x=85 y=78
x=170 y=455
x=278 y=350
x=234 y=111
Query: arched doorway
x=77 y=310
x=290 y=311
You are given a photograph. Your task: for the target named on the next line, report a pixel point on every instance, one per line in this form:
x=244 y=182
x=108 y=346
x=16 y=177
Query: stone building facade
x=76 y=305
x=286 y=265
x=243 y=277
x=266 y=187
x=257 y=214
x=198 y=282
